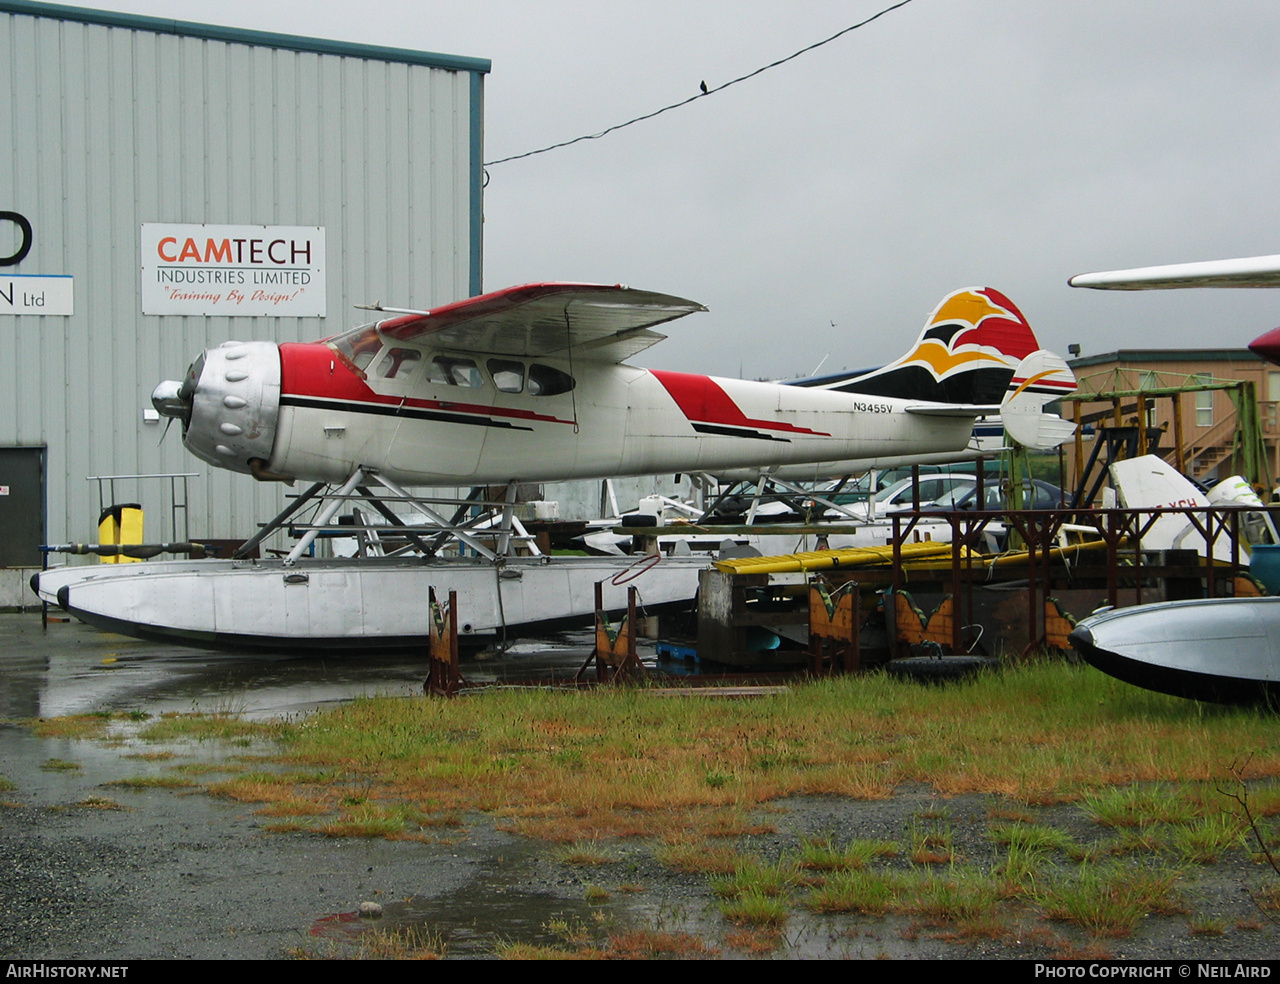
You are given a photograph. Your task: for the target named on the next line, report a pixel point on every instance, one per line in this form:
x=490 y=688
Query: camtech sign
x=233 y=271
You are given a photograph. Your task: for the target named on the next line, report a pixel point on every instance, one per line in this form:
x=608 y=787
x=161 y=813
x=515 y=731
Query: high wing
x=597 y=321
x=1248 y=271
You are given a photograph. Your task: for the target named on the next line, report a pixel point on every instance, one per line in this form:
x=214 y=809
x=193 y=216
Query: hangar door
x=21 y=506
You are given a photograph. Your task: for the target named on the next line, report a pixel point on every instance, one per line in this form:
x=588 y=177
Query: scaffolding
x=1239 y=439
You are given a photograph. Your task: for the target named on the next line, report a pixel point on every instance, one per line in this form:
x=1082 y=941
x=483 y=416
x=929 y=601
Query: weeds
x=100 y=803
x=1110 y=900
x=823 y=855
x=754 y=907
x=753 y=877
x=584 y=855
x=152 y=782
x=856 y=892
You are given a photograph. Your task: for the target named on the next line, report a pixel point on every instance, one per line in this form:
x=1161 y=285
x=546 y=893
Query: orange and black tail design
x=967 y=353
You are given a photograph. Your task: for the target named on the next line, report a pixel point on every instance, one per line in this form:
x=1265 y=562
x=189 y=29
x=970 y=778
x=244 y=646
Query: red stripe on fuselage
x=312 y=369
x=702 y=399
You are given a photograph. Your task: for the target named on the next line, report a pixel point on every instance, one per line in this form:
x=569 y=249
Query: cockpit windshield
x=357 y=346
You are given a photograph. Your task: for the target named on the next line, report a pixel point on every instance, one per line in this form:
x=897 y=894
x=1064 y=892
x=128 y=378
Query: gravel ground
x=178 y=874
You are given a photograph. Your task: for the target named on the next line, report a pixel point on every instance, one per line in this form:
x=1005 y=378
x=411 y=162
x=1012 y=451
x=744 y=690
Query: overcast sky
x=1003 y=143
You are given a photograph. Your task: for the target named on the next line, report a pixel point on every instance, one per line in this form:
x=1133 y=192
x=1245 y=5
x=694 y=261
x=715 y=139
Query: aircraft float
x=527 y=384
x=1215 y=649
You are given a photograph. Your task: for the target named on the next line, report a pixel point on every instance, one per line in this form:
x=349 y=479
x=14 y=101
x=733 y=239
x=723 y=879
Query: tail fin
x=967 y=353
x=1040 y=378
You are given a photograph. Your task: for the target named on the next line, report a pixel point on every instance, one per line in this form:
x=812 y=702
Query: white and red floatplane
x=527 y=384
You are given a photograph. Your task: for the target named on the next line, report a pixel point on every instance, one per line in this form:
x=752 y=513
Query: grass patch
x=1205 y=841
x=932 y=843
x=152 y=782
x=657 y=944
x=958 y=894
x=585 y=855
x=254 y=788
x=752 y=876
x=1045 y=732
x=1110 y=900
x=100 y=803
x=823 y=855
x=1140 y=806
x=755 y=908
x=857 y=892
x=700 y=858
x=580 y=943
x=294 y=807
x=60 y=765
x=210 y=727
x=393 y=822
x=404 y=943
x=74 y=726
x=1207 y=927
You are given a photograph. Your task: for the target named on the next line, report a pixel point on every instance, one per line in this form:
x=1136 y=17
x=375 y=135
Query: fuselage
x=426 y=416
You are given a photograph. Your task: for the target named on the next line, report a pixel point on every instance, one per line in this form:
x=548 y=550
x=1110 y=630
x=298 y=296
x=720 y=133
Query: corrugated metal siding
x=109 y=127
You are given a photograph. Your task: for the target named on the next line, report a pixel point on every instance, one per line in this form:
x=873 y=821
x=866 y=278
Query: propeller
x=173 y=400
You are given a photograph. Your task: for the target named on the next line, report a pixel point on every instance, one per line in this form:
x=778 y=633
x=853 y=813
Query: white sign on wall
x=253 y=271
x=26 y=293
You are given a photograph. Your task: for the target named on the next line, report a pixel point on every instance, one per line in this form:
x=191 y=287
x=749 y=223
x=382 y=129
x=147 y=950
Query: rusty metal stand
x=615 y=650
x=443 y=674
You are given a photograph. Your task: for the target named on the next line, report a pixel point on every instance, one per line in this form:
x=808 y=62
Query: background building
x=147 y=162
x=1193 y=397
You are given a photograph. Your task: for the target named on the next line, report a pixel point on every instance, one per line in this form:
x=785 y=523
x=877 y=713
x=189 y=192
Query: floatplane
x=527 y=384
x=1215 y=649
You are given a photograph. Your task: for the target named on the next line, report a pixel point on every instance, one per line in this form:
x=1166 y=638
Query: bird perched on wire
x=703 y=87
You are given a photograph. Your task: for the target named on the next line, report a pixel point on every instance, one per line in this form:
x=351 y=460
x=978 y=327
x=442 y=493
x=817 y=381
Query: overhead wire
x=705 y=90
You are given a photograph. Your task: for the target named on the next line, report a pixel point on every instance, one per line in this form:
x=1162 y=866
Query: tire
x=930 y=669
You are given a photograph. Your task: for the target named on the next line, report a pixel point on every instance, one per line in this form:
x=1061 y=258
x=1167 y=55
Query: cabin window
x=548 y=381
x=452 y=370
x=1150 y=381
x=358 y=346
x=1204 y=402
x=508 y=376
x=398 y=363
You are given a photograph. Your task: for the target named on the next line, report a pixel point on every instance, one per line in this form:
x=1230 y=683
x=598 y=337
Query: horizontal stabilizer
x=1040 y=378
x=953 y=410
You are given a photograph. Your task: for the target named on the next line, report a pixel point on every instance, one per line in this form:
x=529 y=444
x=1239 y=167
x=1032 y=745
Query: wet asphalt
x=177 y=875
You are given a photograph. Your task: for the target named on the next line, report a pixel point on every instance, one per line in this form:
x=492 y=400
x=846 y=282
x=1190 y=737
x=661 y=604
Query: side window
x=548 y=381
x=451 y=370
x=398 y=363
x=508 y=376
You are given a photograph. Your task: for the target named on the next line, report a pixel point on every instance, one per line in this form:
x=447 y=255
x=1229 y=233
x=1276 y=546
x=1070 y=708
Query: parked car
x=856 y=490
x=1045 y=496
x=899 y=495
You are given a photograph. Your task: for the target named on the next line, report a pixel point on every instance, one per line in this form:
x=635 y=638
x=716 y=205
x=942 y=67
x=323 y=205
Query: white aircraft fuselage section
x=530 y=384
x=615 y=420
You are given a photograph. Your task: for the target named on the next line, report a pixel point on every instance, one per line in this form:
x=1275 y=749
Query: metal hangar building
x=170 y=186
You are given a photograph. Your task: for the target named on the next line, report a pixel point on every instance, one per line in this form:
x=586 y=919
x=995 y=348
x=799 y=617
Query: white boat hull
x=1225 y=650
x=346 y=604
